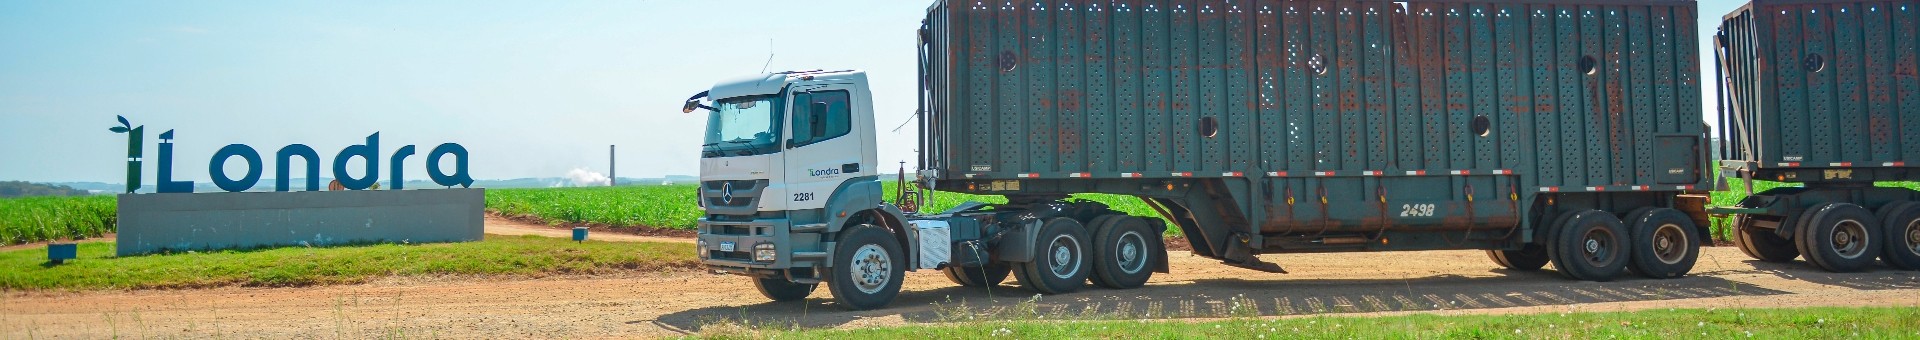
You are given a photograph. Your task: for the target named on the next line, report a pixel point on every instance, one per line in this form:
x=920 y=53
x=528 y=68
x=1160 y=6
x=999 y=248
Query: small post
x=613 y=178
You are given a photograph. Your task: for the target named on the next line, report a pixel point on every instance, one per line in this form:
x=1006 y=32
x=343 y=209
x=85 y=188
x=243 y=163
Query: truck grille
x=732 y=197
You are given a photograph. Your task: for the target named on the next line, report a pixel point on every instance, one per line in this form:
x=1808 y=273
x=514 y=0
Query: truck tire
x=868 y=267
x=1592 y=245
x=1123 y=253
x=1840 y=237
x=1665 y=243
x=1529 y=258
x=990 y=275
x=1902 y=234
x=1060 y=262
x=779 y=289
x=1761 y=243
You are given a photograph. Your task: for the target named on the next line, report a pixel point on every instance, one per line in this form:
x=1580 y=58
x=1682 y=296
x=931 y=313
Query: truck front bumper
x=734 y=246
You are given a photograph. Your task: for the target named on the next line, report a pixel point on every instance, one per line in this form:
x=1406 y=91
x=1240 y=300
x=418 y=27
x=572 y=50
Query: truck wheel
x=1122 y=251
x=1902 y=234
x=1665 y=243
x=1527 y=259
x=779 y=289
x=867 y=268
x=1761 y=243
x=1059 y=263
x=1840 y=237
x=990 y=275
x=1590 y=246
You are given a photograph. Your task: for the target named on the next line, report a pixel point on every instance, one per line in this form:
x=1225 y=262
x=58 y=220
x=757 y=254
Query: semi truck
x=1542 y=132
x=1823 y=95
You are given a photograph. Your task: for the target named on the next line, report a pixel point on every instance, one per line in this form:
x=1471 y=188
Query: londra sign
x=177 y=219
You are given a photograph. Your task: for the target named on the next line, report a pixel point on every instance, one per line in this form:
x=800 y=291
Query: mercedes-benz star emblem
x=726 y=192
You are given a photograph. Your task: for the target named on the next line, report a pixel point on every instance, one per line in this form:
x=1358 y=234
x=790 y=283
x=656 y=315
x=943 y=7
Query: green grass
x=1758 y=323
x=534 y=256
x=657 y=206
x=34 y=219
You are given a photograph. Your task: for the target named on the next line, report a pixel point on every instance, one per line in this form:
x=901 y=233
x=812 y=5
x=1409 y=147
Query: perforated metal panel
x=1821 y=84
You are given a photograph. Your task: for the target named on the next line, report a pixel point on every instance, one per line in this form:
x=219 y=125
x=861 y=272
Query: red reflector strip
x=1231 y=174
x=1416 y=172
x=1894 y=164
x=1028 y=175
x=1277 y=173
x=1549 y=189
x=1370 y=173
x=1323 y=173
x=1129 y=174
x=1840 y=164
x=1596 y=188
x=1682 y=187
x=1079 y=175
x=1182 y=174
x=1459 y=172
x=1790 y=164
x=1503 y=172
x=1639 y=188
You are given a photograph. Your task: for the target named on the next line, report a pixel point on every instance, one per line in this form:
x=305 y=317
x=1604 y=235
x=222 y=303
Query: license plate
x=726 y=246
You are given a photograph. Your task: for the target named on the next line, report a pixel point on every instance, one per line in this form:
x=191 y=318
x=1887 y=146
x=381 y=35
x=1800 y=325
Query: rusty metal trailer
x=1541 y=131
x=1824 y=94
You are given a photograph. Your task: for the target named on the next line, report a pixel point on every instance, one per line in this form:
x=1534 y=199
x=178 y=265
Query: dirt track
x=671 y=303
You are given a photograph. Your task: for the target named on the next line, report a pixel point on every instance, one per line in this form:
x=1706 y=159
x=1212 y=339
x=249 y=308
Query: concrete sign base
x=238 y=220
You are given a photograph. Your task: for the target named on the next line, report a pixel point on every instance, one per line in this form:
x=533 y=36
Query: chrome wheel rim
x=1132 y=255
x=1849 y=239
x=872 y=268
x=1065 y=253
x=1913 y=236
x=1669 y=243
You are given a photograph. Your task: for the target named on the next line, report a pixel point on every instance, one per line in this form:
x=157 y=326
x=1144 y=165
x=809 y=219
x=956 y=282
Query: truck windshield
x=743 y=126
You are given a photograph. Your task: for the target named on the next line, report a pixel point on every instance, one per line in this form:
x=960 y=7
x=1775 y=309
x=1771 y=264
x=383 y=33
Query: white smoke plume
x=580 y=177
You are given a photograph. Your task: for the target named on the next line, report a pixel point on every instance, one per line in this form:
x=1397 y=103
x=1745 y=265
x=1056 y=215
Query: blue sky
x=533 y=89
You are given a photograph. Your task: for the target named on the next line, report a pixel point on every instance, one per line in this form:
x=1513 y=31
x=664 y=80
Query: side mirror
x=691 y=105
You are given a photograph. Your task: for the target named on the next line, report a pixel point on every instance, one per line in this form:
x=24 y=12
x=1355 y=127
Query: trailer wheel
x=1665 y=243
x=779 y=289
x=867 y=268
x=1840 y=237
x=1761 y=243
x=990 y=275
x=1590 y=246
x=1902 y=235
x=1123 y=249
x=1530 y=258
x=1060 y=259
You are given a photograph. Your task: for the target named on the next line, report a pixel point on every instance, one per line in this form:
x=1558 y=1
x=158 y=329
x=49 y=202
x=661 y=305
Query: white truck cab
x=787 y=168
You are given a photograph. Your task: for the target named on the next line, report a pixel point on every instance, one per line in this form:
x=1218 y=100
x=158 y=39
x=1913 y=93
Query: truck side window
x=813 y=127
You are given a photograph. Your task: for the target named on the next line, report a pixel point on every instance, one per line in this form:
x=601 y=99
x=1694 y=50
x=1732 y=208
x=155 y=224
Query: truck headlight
x=764 y=252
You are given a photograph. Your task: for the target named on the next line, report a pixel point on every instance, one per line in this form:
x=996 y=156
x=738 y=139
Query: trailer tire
x=1060 y=262
x=1665 y=243
x=1901 y=231
x=1592 y=246
x=779 y=289
x=1532 y=257
x=1840 y=237
x=1123 y=253
x=991 y=274
x=1761 y=243
x=868 y=268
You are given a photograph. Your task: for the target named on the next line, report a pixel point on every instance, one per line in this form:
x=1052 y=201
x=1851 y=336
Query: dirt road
x=672 y=303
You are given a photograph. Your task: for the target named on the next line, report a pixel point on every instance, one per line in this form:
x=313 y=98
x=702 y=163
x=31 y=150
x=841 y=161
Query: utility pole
x=612 y=177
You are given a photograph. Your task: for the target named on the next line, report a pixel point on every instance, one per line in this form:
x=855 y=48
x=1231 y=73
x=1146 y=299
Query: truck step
x=808 y=228
x=809 y=255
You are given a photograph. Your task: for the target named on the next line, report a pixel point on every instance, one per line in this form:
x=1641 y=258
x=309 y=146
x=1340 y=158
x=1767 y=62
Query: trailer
x=1822 y=94
x=1540 y=131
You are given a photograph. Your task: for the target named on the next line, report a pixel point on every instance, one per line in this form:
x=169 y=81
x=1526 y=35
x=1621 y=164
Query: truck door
x=823 y=151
